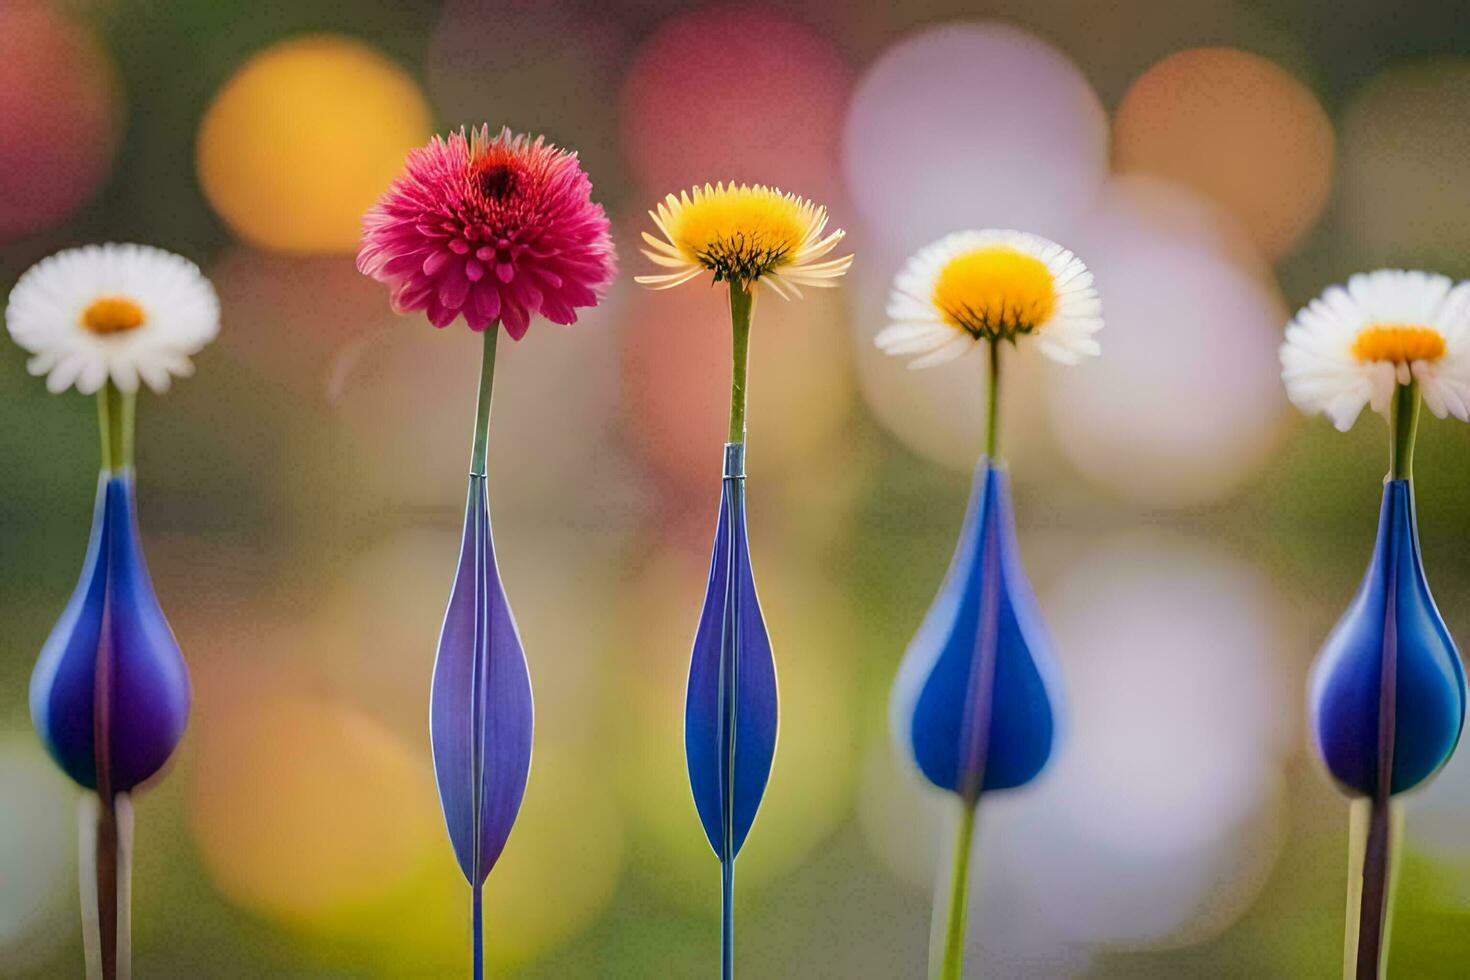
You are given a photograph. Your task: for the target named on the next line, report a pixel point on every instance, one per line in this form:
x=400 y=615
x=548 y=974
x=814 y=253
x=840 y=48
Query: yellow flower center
x=740 y=233
x=112 y=314
x=995 y=292
x=1402 y=343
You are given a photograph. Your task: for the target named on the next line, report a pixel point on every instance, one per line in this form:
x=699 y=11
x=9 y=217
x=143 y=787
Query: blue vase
x=976 y=699
x=1388 y=689
x=110 y=692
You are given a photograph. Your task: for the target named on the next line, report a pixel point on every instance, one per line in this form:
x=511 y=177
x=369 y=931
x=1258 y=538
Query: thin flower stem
x=729 y=720
x=952 y=967
x=742 y=305
x=123 y=812
x=477 y=923
x=992 y=417
x=1373 y=839
x=107 y=818
x=1373 y=909
x=1403 y=427
x=105 y=867
x=727 y=919
x=477 y=717
x=116 y=413
x=478 y=462
x=1376 y=826
x=106 y=831
x=482 y=405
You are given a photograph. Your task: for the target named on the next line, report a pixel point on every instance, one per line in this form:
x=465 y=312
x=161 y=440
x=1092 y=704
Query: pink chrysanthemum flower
x=494 y=229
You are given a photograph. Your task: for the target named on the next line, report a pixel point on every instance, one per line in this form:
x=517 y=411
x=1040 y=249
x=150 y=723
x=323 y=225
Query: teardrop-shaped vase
x=480 y=710
x=976 y=699
x=1388 y=689
x=110 y=692
x=730 y=739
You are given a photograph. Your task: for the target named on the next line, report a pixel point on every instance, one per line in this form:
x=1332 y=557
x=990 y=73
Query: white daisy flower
x=1352 y=345
x=119 y=312
x=976 y=286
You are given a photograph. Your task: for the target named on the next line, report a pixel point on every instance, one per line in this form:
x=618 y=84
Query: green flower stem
x=116 y=412
x=952 y=966
x=742 y=305
x=478 y=462
x=482 y=406
x=1376 y=824
x=992 y=418
x=1403 y=426
x=107 y=820
x=478 y=466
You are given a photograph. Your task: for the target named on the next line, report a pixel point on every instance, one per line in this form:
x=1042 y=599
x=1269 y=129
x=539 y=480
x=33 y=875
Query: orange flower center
x=995 y=292
x=112 y=314
x=1401 y=343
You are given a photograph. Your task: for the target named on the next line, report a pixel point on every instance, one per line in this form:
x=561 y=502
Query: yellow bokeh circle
x=309 y=812
x=306 y=810
x=304 y=137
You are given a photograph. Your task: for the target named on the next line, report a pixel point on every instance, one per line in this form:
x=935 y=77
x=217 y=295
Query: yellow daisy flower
x=744 y=235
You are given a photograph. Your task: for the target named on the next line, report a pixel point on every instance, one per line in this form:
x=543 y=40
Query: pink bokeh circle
x=61 y=111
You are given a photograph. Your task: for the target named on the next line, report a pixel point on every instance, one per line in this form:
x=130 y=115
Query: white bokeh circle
x=1186 y=403
x=38 y=848
x=973 y=124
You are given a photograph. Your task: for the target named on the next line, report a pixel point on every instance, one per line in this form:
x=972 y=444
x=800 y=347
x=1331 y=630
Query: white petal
x=960 y=345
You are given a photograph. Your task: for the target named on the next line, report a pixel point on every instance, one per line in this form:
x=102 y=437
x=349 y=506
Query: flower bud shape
x=730 y=711
x=110 y=693
x=1388 y=689
x=480 y=710
x=975 y=703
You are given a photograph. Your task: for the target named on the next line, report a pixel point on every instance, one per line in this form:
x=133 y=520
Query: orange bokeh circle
x=1238 y=128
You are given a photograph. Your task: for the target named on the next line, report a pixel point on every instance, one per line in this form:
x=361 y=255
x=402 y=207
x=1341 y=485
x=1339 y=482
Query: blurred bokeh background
x=1191 y=539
